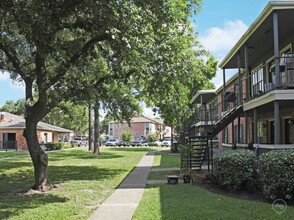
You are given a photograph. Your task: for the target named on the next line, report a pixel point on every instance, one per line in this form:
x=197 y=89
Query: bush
x=54 y=146
x=235 y=169
x=152 y=137
x=276 y=170
x=126 y=136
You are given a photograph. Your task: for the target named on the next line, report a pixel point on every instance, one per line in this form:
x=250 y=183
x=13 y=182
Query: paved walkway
x=123 y=202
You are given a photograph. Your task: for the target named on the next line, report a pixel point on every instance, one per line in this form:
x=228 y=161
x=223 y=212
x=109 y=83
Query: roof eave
x=270 y=7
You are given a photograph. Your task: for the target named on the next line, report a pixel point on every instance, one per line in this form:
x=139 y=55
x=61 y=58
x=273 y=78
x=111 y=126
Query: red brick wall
x=242 y=119
x=137 y=129
x=21 y=142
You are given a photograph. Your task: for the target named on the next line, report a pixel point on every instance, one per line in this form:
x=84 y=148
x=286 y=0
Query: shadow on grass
x=11 y=164
x=61 y=174
x=14 y=204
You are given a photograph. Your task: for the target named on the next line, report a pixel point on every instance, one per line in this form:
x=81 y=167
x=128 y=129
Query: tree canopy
x=54 y=45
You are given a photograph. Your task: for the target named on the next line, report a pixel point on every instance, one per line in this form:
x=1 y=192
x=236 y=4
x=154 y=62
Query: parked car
x=80 y=141
x=166 y=142
x=112 y=142
x=121 y=143
x=139 y=141
x=157 y=143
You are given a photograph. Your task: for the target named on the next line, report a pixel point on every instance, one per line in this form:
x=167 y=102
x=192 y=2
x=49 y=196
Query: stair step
x=197 y=161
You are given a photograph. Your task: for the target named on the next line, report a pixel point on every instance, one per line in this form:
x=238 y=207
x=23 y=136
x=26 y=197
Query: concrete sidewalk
x=123 y=202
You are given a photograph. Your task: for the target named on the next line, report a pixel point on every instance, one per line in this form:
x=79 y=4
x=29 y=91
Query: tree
x=17 y=107
x=127 y=136
x=46 y=44
x=69 y=115
x=152 y=137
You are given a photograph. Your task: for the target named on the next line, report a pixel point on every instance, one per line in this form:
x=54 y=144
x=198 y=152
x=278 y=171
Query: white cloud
x=4 y=75
x=219 y=41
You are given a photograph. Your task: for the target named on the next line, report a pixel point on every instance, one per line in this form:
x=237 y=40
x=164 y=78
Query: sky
x=219 y=26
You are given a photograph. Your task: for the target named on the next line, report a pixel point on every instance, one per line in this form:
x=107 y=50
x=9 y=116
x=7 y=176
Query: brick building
x=139 y=126
x=12 y=127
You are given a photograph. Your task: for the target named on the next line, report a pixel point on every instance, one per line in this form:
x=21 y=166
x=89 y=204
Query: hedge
x=54 y=146
x=235 y=169
x=276 y=171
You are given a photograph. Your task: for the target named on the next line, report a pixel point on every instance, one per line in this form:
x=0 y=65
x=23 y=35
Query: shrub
x=67 y=145
x=54 y=146
x=152 y=137
x=276 y=170
x=185 y=155
x=126 y=136
x=235 y=169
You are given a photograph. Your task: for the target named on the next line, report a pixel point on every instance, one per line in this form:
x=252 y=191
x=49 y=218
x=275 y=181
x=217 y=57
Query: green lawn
x=86 y=181
x=163 y=159
x=166 y=160
x=12 y=153
x=186 y=201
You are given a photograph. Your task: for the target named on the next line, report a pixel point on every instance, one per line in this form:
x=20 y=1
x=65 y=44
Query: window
x=241 y=135
x=110 y=129
x=147 y=129
x=225 y=136
x=257 y=82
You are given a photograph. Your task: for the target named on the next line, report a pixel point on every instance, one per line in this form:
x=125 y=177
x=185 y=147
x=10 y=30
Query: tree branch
x=12 y=56
x=64 y=67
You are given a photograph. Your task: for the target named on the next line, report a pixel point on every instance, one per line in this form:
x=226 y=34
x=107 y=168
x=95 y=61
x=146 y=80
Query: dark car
x=121 y=143
x=139 y=141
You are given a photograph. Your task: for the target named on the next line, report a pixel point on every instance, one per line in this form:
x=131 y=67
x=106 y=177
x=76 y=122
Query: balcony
x=263 y=80
x=263 y=86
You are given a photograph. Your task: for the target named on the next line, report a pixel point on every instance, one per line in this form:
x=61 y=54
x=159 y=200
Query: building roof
x=203 y=96
x=144 y=119
x=259 y=36
x=18 y=122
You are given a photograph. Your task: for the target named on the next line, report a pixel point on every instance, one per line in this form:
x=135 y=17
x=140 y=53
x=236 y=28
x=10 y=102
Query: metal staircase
x=199 y=146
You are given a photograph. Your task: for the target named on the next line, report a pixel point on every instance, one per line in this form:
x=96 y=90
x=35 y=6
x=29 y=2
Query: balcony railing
x=263 y=79
x=232 y=99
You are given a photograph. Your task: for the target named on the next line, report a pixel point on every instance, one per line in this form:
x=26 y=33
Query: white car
x=157 y=143
x=166 y=142
x=112 y=142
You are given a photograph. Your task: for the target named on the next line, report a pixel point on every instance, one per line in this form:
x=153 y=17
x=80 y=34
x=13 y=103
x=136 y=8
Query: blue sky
x=219 y=25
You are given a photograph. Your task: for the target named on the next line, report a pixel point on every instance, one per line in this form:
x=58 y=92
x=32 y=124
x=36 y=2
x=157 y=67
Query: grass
x=12 y=153
x=163 y=159
x=161 y=175
x=185 y=201
x=86 y=181
x=166 y=161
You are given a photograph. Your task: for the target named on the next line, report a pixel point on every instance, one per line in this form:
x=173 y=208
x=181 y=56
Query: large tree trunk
x=39 y=157
x=96 y=129
x=91 y=147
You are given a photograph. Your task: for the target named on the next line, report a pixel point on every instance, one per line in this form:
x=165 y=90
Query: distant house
x=140 y=126
x=12 y=127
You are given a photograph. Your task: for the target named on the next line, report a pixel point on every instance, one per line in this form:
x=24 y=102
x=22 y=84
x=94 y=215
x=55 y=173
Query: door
x=9 y=140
